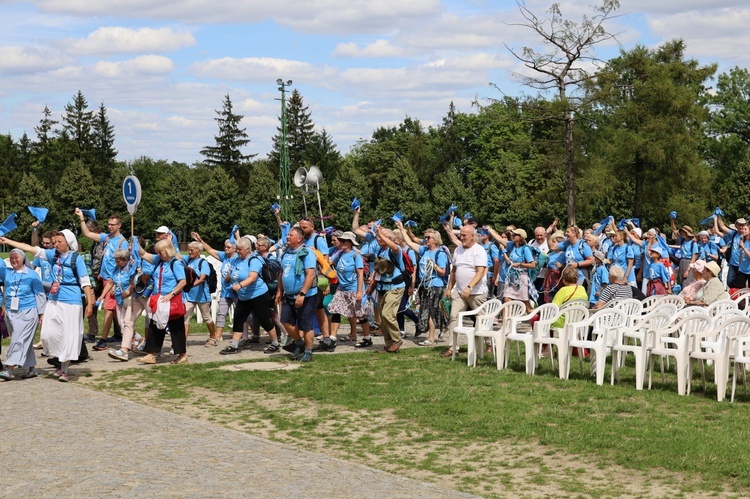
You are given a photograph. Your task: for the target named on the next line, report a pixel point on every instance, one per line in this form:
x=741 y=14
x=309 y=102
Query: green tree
x=227 y=153
x=562 y=67
x=103 y=144
x=43 y=149
x=300 y=132
x=75 y=189
x=650 y=115
x=77 y=123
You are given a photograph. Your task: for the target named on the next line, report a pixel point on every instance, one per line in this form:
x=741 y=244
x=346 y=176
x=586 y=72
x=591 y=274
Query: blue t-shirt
x=165 y=280
x=290 y=279
x=69 y=291
x=242 y=270
x=688 y=248
x=347 y=265
x=199 y=293
x=600 y=278
x=637 y=255
x=370 y=248
x=121 y=278
x=657 y=270
x=733 y=238
x=386 y=280
x=46 y=269
x=317 y=241
x=227 y=264
x=577 y=252
x=555 y=257
x=710 y=248
x=744 y=262
x=24 y=284
x=439 y=257
x=619 y=255
x=111 y=244
x=493 y=253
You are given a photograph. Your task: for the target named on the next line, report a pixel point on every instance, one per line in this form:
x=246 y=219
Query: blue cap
x=275 y=207
x=8 y=225
x=457 y=222
x=39 y=213
x=89 y=213
x=467 y=215
x=673 y=215
x=355 y=204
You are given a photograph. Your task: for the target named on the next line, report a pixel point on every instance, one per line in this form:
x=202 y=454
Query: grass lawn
x=429 y=417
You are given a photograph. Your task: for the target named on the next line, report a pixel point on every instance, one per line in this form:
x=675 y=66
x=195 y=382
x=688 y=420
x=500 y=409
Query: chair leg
x=640 y=369
x=650 y=369
x=580 y=359
x=601 y=363
x=454 y=345
x=615 y=367
x=734 y=383
x=529 y=353
x=663 y=379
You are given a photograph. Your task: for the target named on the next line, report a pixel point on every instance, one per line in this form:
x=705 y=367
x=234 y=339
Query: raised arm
x=34 y=250
x=722 y=226
x=407 y=240
x=84 y=229
x=450 y=234
x=35 y=233
x=206 y=246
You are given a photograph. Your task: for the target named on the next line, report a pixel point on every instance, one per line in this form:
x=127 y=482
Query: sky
x=162 y=68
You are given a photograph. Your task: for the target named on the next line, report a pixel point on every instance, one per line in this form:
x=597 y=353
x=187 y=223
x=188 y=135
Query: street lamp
x=285 y=187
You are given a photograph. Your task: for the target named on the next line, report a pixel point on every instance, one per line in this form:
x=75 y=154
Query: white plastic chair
x=725 y=334
x=642 y=333
x=739 y=294
x=559 y=336
x=488 y=308
x=507 y=312
x=678 y=301
x=650 y=302
x=674 y=340
x=720 y=306
x=604 y=325
x=548 y=313
x=741 y=357
x=632 y=309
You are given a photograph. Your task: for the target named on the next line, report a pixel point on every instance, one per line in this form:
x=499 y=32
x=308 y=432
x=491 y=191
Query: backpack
x=541 y=262
x=213 y=279
x=323 y=268
x=408 y=270
x=270 y=271
x=190 y=276
x=448 y=265
x=96 y=252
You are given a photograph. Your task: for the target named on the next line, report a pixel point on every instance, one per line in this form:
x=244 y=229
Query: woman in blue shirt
x=62 y=328
x=350 y=268
x=252 y=293
x=169 y=280
x=120 y=282
x=227 y=296
x=432 y=277
x=518 y=286
x=621 y=254
x=24 y=303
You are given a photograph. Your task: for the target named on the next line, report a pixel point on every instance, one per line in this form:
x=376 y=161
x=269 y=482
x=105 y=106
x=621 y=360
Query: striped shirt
x=615 y=291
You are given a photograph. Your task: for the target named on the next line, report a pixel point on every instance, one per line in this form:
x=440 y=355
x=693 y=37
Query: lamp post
x=285 y=187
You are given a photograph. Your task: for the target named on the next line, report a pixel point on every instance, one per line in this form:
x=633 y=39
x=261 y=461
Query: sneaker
x=63 y=377
x=403 y=334
x=290 y=346
x=229 y=350
x=89 y=338
x=417 y=333
x=121 y=355
x=6 y=375
x=323 y=347
x=306 y=357
x=148 y=359
x=272 y=349
x=101 y=345
x=426 y=343
x=365 y=342
x=31 y=374
x=244 y=344
x=171 y=351
x=114 y=339
x=57 y=373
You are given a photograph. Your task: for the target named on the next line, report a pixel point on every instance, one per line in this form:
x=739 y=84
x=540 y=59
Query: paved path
x=62 y=440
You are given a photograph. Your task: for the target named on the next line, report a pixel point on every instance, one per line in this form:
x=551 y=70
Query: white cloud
x=376 y=49
x=21 y=60
x=318 y=16
x=147 y=65
x=671 y=7
x=261 y=69
x=115 y=40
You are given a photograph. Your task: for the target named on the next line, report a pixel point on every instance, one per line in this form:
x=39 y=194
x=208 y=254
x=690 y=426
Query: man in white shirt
x=540 y=246
x=467 y=286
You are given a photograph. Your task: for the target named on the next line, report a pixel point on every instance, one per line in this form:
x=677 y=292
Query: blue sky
x=162 y=68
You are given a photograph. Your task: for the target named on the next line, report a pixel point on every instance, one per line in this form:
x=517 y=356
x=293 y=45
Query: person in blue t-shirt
x=578 y=254
x=390 y=284
x=688 y=247
x=252 y=294
x=227 y=297
x=120 y=284
x=169 y=281
x=658 y=279
x=348 y=300
x=599 y=279
x=24 y=302
x=297 y=295
x=621 y=254
x=318 y=241
x=62 y=329
x=432 y=277
x=199 y=295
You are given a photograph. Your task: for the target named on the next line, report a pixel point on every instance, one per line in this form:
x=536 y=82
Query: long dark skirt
x=429 y=306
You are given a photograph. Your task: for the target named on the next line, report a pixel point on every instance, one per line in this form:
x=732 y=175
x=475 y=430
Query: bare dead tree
x=570 y=47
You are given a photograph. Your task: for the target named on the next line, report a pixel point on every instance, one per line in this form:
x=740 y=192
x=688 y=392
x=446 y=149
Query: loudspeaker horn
x=300 y=176
x=314 y=176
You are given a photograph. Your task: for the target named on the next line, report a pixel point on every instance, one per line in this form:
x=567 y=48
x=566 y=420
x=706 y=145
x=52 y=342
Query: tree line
x=652 y=136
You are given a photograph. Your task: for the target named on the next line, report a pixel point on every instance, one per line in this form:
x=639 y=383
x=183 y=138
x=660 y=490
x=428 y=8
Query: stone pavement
x=66 y=440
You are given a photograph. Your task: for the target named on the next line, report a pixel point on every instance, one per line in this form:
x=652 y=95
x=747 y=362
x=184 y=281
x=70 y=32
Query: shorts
x=109 y=302
x=205 y=309
x=319 y=300
x=301 y=318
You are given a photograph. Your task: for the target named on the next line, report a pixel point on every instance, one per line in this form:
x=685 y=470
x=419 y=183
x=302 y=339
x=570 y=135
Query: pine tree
x=77 y=122
x=43 y=148
x=231 y=138
x=299 y=133
x=103 y=141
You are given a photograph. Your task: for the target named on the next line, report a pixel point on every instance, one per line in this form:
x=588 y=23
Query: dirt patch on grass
x=383 y=441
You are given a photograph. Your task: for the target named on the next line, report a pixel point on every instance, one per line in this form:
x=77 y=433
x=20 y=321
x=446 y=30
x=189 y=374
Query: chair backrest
x=695 y=323
x=491 y=307
x=547 y=313
x=509 y=310
x=731 y=329
x=739 y=293
x=631 y=307
x=485 y=322
x=666 y=307
x=573 y=303
x=687 y=312
x=743 y=301
x=650 y=303
x=674 y=299
x=720 y=306
x=726 y=315
x=575 y=314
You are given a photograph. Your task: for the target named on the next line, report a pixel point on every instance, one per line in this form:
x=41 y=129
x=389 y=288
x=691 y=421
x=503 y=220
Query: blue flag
x=8 y=225
x=89 y=213
x=355 y=204
x=275 y=207
x=603 y=224
x=453 y=209
x=398 y=216
x=718 y=212
x=39 y=213
x=673 y=215
x=233 y=239
x=411 y=223
x=467 y=215
x=708 y=221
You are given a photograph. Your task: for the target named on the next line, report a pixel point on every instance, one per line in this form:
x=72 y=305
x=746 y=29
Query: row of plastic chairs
x=659 y=327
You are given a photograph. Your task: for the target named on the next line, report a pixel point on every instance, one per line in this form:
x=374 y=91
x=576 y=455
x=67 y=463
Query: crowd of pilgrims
x=299 y=286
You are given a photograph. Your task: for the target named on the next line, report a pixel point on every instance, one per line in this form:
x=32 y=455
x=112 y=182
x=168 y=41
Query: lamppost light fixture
x=279 y=81
x=288 y=82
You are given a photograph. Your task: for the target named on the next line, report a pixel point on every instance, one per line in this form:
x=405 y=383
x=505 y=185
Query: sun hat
x=687 y=230
x=599 y=256
x=714 y=268
x=519 y=232
x=163 y=229
x=698 y=265
x=349 y=236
